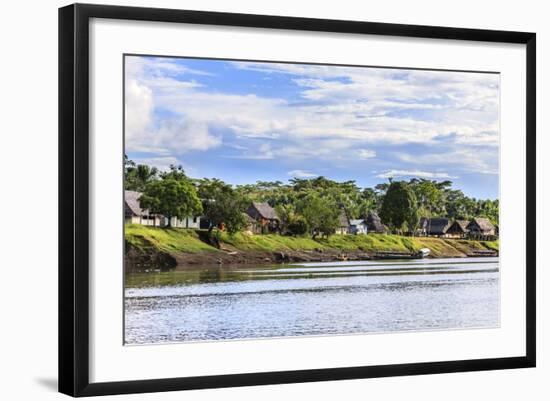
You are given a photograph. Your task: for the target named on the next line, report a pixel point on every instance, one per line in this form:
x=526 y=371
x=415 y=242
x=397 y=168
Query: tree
x=429 y=196
x=171 y=198
x=321 y=214
x=399 y=207
x=136 y=177
x=297 y=225
x=285 y=214
x=175 y=172
x=222 y=205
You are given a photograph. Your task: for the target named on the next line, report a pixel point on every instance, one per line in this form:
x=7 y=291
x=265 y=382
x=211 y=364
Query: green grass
x=491 y=244
x=270 y=242
x=166 y=239
x=192 y=241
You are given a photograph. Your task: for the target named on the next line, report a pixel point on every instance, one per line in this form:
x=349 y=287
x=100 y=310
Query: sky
x=244 y=122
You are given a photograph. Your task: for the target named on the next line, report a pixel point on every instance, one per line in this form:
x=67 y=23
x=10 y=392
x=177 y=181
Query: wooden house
x=374 y=223
x=265 y=216
x=251 y=225
x=436 y=226
x=481 y=227
x=459 y=229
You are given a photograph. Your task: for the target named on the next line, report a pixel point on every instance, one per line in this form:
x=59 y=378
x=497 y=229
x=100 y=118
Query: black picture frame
x=74 y=204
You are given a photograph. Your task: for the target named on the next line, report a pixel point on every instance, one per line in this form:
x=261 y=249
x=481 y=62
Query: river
x=244 y=302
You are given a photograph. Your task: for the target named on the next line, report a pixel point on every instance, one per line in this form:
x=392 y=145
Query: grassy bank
x=171 y=240
x=182 y=241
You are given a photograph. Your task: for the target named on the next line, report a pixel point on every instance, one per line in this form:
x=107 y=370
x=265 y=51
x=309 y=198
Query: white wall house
x=188 y=222
x=134 y=214
x=358 y=226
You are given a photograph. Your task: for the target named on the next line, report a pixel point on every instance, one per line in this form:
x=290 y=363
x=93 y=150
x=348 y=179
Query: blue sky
x=249 y=121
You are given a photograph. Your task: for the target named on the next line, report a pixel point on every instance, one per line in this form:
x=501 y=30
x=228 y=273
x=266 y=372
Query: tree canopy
x=303 y=205
x=400 y=208
x=171 y=198
x=222 y=205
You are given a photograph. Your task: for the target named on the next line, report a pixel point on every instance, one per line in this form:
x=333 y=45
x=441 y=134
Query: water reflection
x=213 y=302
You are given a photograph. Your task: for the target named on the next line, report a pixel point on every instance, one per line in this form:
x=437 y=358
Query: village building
x=251 y=225
x=358 y=226
x=343 y=223
x=134 y=214
x=374 y=223
x=188 y=222
x=459 y=229
x=481 y=227
x=265 y=216
x=436 y=226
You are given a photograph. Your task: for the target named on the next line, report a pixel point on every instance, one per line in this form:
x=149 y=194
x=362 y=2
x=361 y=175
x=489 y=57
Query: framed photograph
x=251 y=199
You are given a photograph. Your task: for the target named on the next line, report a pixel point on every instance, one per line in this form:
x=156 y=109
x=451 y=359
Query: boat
x=422 y=253
x=483 y=253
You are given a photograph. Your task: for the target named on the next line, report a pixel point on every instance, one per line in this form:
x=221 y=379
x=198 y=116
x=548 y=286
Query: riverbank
x=151 y=248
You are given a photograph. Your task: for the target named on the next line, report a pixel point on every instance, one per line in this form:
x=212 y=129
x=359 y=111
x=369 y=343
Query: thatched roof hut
x=131 y=204
x=481 y=225
x=374 y=223
x=262 y=210
x=343 y=220
x=435 y=225
x=459 y=227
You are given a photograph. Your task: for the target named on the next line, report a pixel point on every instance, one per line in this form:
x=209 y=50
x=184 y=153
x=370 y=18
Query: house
x=188 y=222
x=265 y=216
x=134 y=214
x=481 y=227
x=459 y=228
x=436 y=226
x=374 y=223
x=251 y=225
x=358 y=226
x=343 y=223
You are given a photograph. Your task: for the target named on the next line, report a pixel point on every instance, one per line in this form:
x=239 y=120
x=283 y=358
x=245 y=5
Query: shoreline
x=150 y=249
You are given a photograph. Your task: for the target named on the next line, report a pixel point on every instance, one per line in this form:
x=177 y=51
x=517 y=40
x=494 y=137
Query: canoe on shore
x=483 y=252
x=422 y=253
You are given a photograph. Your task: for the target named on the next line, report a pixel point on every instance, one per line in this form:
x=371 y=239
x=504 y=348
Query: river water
x=243 y=302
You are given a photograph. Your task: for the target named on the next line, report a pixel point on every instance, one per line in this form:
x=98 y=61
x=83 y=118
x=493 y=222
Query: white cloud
x=366 y=154
x=263 y=152
x=469 y=160
x=344 y=109
x=301 y=174
x=414 y=173
x=162 y=163
x=138 y=110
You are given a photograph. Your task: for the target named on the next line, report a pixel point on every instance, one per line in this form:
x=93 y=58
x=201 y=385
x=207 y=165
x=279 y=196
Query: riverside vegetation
x=308 y=211
x=153 y=248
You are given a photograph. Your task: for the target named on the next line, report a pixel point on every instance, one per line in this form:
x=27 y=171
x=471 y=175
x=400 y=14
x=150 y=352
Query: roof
x=435 y=225
x=248 y=218
x=374 y=223
x=356 y=222
x=266 y=211
x=483 y=223
x=343 y=220
x=131 y=199
x=459 y=226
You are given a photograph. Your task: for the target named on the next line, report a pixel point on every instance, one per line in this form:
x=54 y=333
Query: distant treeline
x=303 y=205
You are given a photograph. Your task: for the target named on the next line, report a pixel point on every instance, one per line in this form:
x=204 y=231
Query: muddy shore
x=138 y=260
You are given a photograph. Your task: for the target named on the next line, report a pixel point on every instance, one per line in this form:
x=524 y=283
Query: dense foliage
x=400 y=208
x=307 y=205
